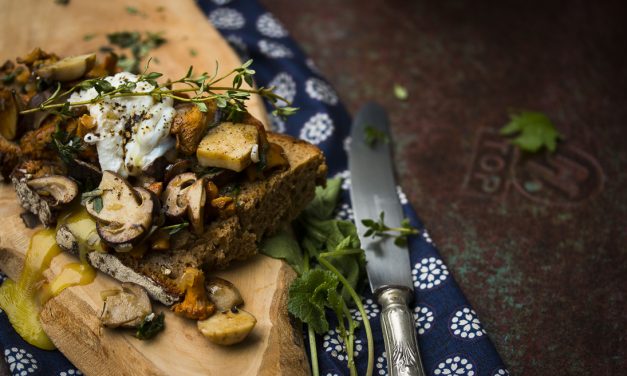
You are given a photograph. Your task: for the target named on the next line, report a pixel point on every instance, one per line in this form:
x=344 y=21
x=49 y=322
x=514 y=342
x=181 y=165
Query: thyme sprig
x=66 y=146
x=189 y=88
x=380 y=229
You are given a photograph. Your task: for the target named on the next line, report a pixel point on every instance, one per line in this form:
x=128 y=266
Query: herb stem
x=350 y=341
x=315 y=370
x=361 y=309
x=313 y=350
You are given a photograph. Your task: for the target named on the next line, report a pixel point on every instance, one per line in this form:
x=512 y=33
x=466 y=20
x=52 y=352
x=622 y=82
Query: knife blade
x=373 y=191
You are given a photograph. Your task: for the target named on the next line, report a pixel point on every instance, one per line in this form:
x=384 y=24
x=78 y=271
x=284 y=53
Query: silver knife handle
x=399 y=333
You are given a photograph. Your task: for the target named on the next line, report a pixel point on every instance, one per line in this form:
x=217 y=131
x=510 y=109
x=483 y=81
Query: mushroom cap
x=60 y=188
x=175 y=194
x=126 y=213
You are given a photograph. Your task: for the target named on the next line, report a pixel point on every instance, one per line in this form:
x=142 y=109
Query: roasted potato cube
x=229 y=146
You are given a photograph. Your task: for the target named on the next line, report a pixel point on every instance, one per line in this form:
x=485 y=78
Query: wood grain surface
x=275 y=346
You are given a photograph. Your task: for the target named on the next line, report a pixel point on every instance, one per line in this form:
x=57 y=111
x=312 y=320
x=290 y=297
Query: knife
x=373 y=190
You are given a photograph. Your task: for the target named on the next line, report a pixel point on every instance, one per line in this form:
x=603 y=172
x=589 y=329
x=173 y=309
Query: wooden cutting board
x=275 y=346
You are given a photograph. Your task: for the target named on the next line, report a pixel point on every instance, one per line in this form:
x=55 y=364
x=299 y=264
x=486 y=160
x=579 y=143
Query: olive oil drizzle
x=22 y=300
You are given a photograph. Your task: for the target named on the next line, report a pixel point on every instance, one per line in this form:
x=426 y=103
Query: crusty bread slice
x=261 y=208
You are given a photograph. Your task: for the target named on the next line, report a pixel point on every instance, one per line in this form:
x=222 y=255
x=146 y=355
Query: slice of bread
x=262 y=207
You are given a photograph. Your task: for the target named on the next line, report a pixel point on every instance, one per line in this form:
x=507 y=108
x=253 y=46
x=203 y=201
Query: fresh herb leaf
x=124 y=39
x=193 y=52
x=151 y=326
x=283 y=245
x=97 y=204
x=380 y=229
x=67 y=147
x=333 y=268
x=325 y=200
x=400 y=92
x=173 y=229
x=310 y=294
x=138 y=45
x=132 y=10
x=372 y=136
x=534 y=130
x=196 y=89
x=94 y=196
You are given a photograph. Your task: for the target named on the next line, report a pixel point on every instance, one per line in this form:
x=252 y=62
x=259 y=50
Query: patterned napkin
x=451 y=337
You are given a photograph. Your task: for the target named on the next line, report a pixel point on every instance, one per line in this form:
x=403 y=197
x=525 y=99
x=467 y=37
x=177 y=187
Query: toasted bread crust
x=262 y=207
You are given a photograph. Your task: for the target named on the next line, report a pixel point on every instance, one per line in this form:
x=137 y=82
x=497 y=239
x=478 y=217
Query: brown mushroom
x=228 y=327
x=125 y=308
x=223 y=294
x=68 y=69
x=195 y=305
x=196 y=200
x=8 y=114
x=60 y=188
x=123 y=214
x=175 y=194
x=189 y=126
x=176 y=168
x=45 y=196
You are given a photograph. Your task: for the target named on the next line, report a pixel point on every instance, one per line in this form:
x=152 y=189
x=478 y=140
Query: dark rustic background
x=537 y=243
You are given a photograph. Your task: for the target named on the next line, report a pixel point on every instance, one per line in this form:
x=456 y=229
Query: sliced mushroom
x=62 y=189
x=223 y=294
x=196 y=200
x=45 y=196
x=126 y=307
x=176 y=168
x=8 y=114
x=68 y=69
x=123 y=214
x=227 y=327
x=175 y=194
x=156 y=168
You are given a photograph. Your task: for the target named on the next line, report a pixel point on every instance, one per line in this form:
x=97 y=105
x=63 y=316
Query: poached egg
x=131 y=132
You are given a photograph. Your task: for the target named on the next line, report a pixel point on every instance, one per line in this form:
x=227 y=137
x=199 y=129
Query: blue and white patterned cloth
x=451 y=337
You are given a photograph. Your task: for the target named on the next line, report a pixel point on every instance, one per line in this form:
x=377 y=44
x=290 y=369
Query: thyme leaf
x=372 y=136
x=173 y=229
x=380 y=229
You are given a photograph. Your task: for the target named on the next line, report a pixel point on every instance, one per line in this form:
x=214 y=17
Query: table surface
x=537 y=243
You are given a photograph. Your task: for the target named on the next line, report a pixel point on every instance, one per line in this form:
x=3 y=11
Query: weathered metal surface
x=537 y=243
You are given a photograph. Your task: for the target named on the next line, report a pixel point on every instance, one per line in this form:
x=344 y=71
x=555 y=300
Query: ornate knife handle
x=399 y=333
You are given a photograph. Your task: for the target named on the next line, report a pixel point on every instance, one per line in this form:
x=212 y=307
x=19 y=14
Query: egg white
x=131 y=131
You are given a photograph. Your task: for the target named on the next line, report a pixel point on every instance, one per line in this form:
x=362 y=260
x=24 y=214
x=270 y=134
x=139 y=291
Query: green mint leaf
x=151 y=326
x=400 y=92
x=532 y=131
